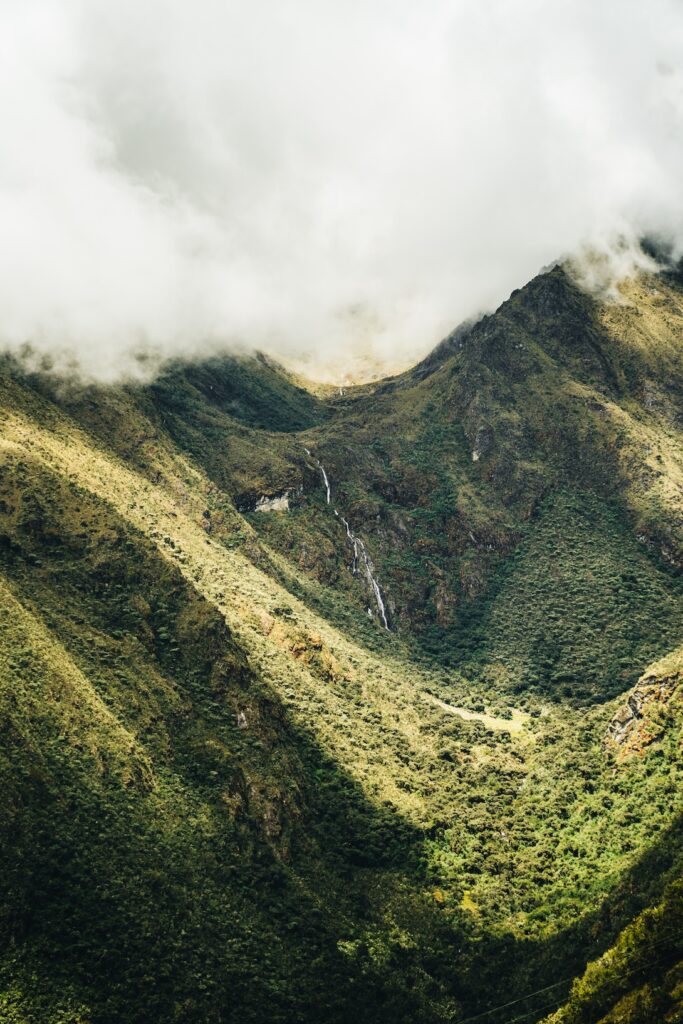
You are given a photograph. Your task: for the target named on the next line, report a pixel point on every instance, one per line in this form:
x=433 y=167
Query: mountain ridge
x=232 y=795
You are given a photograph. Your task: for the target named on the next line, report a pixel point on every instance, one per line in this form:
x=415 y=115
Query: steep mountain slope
x=230 y=794
x=555 y=411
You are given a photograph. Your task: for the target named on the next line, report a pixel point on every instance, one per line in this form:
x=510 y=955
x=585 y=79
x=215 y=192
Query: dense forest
x=350 y=704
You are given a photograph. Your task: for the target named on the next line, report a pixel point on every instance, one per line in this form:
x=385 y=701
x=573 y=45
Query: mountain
x=350 y=704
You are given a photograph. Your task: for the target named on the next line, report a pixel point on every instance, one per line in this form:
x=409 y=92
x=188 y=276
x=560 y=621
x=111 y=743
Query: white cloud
x=331 y=178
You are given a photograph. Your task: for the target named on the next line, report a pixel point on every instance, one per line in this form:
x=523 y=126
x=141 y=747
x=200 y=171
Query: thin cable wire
x=555 y=984
x=555 y=1005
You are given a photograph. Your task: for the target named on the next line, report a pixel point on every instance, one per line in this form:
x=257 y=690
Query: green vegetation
x=639 y=980
x=230 y=795
x=596 y=605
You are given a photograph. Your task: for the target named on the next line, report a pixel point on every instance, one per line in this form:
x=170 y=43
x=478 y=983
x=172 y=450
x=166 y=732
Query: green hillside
x=230 y=794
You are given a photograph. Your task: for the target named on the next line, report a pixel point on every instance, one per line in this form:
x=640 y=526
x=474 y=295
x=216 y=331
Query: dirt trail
x=511 y=725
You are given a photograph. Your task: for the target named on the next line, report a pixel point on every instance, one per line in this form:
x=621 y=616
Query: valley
x=358 y=706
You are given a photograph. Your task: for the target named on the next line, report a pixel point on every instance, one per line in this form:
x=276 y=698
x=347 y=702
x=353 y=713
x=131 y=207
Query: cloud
x=323 y=179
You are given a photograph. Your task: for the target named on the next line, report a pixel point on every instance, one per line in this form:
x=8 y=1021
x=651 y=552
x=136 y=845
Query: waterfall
x=367 y=566
x=327 y=486
x=359 y=551
x=354 y=542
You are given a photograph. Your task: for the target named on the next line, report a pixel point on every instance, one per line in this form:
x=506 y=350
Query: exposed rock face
x=278 y=503
x=483 y=442
x=634 y=727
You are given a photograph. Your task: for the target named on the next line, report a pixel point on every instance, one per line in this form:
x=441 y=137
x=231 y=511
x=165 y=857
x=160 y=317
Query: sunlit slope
x=134 y=806
x=555 y=411
x=230 y=794
x=639 y=980
x=556 y=405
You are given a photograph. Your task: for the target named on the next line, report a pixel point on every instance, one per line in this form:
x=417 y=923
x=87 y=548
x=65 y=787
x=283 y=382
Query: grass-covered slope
x=639 y=980
x=229 y=795
x=555 y=422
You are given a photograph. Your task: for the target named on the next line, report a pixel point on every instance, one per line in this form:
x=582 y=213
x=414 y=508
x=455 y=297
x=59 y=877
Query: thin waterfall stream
x=360 y=554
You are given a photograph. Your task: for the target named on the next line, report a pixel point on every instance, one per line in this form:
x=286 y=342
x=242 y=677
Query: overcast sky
x=328 y=177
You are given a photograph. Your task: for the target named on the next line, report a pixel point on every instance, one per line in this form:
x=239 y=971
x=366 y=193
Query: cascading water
x=367 y=566
x=359 y=552
x=354 y=543
x=327 y=487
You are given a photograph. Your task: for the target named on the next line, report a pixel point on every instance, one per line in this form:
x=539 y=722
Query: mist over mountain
x=350 y=704
x=334 y=182
x=341 y=512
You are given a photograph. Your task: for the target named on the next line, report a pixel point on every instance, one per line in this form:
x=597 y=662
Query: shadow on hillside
x=221 y=895
x=506 y=970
